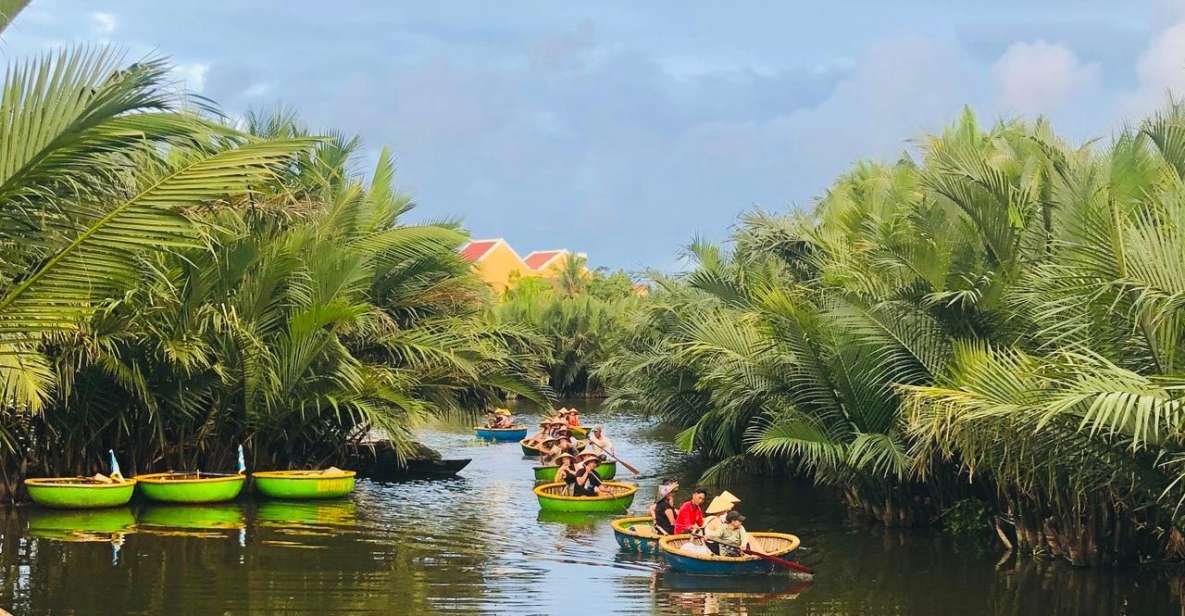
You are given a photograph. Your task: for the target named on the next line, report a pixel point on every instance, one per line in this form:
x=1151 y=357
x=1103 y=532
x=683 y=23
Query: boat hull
x=301 y=485
x=501 y=435
x=636 y=534
x=59 y=493
x=774 y=544
x=175 y=488
x=551 y=500
x=529 y=451
x=605 y=470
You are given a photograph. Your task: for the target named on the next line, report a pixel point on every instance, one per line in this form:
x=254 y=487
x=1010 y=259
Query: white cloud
x=192 y=76
x=1040 y=77
x=105 y=23
x=1161 y=71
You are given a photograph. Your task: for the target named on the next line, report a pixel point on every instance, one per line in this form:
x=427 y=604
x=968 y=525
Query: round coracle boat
x=80 y=492
x=552 y=498
x=528 y=450
x=636 y=534
x=501 y=435
x=197 y=487
x=605 y=470
x=773 y=544
x=324 y=483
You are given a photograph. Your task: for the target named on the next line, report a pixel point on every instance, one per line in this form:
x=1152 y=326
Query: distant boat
x=501 y=435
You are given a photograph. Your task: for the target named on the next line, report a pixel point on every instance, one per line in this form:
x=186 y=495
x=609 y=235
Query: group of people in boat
x=499 y=419
x=576 y=459
x=716 y=529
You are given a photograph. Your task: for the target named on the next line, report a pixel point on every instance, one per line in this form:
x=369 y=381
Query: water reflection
x=479 y=544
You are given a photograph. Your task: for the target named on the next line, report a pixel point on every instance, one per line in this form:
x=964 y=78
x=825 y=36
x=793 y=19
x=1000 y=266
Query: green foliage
x=968 y=517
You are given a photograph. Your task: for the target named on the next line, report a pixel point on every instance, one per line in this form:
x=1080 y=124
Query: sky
x=626 y=129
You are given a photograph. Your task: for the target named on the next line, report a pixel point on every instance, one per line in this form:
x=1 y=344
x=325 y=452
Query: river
x=478 y=544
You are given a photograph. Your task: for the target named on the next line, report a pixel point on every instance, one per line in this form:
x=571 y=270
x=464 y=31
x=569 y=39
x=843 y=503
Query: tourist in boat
x=556 y=446
x=731 y=537
x=715 y=513
x=573 y=418
x=598 y=441
x=691 y=514
x=588 y=482
x=502 y=419
x=663 y=510
x=566 y=473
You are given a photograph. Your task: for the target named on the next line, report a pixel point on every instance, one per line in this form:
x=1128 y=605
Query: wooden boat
x=197 y=487
x=300 y=485
x=552 y=498
x=528 y=450
x=774 y=544
x=636 y=534
x=420 y=469
x=605 y=470
x=80 y=492
x=501 y=435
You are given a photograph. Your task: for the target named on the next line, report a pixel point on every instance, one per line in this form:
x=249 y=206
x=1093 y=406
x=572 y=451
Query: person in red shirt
x=691 y=514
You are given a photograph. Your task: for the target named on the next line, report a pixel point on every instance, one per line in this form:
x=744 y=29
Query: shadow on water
x=479 y=544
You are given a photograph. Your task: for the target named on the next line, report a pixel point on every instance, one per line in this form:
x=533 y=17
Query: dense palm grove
x=172 y=286
x=998 y=322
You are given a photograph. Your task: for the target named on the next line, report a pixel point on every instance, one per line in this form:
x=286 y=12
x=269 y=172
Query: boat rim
x=630 y=489
x=510 y=429
x=664 y=542
x=301 y=475
x=63 y=482
x=619 y=526
x=160 y=478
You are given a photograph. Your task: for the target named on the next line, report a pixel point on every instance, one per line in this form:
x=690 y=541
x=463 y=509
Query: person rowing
x=715 y=514
x=691 y=514
x=500 y=419
x=662 y=512
x=598 y=440
x=588 y=482
x=730 y=537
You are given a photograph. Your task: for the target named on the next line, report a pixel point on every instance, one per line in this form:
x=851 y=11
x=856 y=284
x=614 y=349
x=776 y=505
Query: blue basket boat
x=636 y=534
x=501 y=435
x=774 y=544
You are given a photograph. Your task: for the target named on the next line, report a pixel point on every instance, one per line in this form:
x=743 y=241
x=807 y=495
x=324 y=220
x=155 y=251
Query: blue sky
x=623 y=129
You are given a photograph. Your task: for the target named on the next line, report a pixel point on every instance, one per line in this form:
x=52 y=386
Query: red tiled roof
x=539 y=258
x=473 y=251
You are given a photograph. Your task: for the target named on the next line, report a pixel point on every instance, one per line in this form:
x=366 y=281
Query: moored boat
x=80 y=492
x=196 y=487
x=552 y=498
x=528 y=450
x=605 y=470
x=773 y=544
x=501 y=435
x=324 y=483
x=636 y=534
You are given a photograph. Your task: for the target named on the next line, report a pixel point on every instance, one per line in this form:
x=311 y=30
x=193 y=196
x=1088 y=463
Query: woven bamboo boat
x=528 y=450
x=197 y=487
x=773 y=544
x=552 y=498
x=636 y=534
x=300 y=485
x=605 y=470
x=501 y=435
x=80 y=492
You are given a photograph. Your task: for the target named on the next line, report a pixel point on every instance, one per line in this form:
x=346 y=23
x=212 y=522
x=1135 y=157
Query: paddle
x=617 y=459
x=789 y=564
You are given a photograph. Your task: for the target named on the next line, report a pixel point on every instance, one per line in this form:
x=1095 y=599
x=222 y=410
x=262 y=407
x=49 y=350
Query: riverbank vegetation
x=999 y=319
x=172 y=286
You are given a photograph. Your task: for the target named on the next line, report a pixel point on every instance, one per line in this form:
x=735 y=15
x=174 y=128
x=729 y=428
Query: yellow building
x=496 y=262
x=549 y=263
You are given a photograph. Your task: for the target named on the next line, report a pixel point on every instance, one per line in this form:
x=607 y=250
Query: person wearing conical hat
x=715 y=513
x=588 y=482
x=731 y=538
x=663 y=510
x=503 y=419
x=566 y=473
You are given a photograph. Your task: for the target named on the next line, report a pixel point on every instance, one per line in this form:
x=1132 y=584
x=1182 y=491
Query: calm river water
x=478 y=544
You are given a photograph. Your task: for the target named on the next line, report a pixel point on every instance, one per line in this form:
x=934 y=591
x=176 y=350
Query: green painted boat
x=552 y=498
x=578 y=431
x=199 y=487
x=636 y=534
x=300 y=485
x=80 y=525
x=605 y=470
x=79 y=492
x=529 y=451
x=218 y=516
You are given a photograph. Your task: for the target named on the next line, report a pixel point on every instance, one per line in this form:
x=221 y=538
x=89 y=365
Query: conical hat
x=722 y=503
x=501 y=411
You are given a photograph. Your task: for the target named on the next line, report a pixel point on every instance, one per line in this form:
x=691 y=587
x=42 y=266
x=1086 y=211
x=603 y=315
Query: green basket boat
x=300 y=485
x=552 y=498
x=605 y=470
x=636 y=534
x=529 y=451
x=79 y=492
x=199 y=487
x=578 y=431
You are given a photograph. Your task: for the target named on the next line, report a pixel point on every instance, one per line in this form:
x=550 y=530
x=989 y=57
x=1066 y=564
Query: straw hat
x=562 y=456
x=501 y=411
x=588 y=455
x=725 y=502
x=666 y=489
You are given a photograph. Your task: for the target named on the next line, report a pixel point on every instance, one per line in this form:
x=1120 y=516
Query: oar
x=789 y=564
x=617 y=459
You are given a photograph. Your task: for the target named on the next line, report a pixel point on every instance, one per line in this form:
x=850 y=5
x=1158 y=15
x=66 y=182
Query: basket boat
x=300 y=485
x=552 y=498
x=501 y=435
x=636 y=534
x=79 y=492
x=605 y=470
x=197 y=487
x=774 y=544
